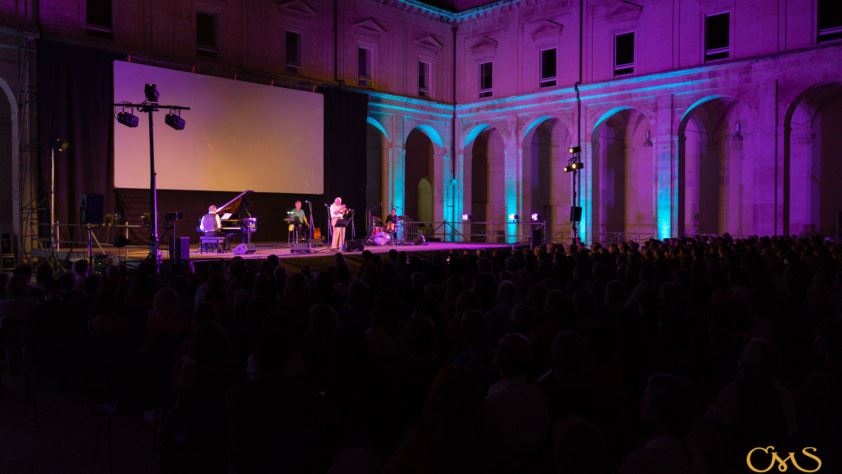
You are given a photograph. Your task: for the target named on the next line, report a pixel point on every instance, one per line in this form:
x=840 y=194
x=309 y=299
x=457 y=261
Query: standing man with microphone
x=337 y=212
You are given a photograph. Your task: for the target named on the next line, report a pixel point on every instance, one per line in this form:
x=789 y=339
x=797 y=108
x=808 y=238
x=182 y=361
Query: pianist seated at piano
x=210 y=223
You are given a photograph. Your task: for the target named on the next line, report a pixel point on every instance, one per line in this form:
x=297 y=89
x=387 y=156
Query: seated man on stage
x=391 y=226
x=211 y=224
x=298 y=220
x=337 y=213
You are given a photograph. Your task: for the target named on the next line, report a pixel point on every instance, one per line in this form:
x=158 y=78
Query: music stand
x=346 y=221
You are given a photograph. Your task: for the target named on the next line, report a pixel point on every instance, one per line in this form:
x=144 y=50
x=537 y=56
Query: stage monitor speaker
x=91 y=208
x=839 y=226
x=243 y=249
x=181 y=252
x=301 y=247
x=575 y=213
x=355 y=245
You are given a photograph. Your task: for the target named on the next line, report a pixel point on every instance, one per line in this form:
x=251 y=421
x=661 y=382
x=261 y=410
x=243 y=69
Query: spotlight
x=514 y=217
x=575 y=166
x=128 y=119
x=174 y=121
x=61 y=145
x=574 y=149
x=466 y=218
x=535 y=217
x=151 y=92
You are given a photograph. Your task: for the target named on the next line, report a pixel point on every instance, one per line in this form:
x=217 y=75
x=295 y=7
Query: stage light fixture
x=174 y=121
x=61 y=145
x=151 y=92
x=128 y=119
x=466 y=218
x=514 y=217
x=575 y=166
x=535 y=217
x=574 y=149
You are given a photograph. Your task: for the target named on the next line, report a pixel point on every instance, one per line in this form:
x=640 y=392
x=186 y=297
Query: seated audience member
x=567 y=385
x=579 y=447
x=667 y=407
x=515 y=419
x=273 y=419
x=197 y=422
x=446 y=438
x=755 y=409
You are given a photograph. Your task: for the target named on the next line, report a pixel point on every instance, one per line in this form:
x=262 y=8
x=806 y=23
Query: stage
x=320 y=257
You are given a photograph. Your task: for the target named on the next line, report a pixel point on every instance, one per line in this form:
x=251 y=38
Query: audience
x=674 y=356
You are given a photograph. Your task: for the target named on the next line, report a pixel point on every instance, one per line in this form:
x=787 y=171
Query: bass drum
x=381 y=239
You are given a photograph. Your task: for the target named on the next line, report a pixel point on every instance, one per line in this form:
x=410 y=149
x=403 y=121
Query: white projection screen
x=238 y=135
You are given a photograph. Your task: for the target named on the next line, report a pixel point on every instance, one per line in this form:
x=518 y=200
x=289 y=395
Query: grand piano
x=240 y=220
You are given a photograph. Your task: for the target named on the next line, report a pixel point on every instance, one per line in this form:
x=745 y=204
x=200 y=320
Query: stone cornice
x=440 y=14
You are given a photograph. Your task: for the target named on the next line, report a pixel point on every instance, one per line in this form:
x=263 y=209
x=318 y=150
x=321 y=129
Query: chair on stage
x=209 y=244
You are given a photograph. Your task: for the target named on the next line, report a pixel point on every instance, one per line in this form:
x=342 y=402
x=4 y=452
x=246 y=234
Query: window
x=623 y=54
x=485 y=79
x=206 y=26
x=548 y=67
x=98 y=19
x=292 y=52
x=830 y=20
x=423 y=79
x=364 y=67
x=717 y=36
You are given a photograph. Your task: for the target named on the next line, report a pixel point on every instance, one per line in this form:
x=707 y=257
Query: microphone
x=308 y=202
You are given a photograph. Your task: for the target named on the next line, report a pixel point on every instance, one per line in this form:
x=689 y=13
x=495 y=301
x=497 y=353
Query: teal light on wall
x=535 y=123
x=374 y=123
x=473 y=134
x=431 y=133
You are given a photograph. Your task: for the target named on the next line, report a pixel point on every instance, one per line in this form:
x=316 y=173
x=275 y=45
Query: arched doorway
x=545 y=187
x=7 y=164
x=377 y=155
x=418 y=178
x=624 y=186
x=813 y=162
x=486 y=183
x=710 y=151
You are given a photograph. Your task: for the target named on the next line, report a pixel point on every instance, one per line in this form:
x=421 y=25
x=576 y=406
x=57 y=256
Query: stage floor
x=320 y=256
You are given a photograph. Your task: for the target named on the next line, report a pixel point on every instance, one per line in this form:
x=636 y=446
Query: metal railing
x=497 y=232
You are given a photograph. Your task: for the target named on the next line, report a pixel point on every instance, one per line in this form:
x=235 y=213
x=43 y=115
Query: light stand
x=62 y=146
x=150 y=106
x=575 y=166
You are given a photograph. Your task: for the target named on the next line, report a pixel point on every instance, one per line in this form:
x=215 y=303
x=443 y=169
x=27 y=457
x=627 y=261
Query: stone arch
x=710 y=168
x=484 y=182
x=812 y=161
x=419 y=175
x=545 y=188
x=622 y=176
x=377 y=166
x=10 y=192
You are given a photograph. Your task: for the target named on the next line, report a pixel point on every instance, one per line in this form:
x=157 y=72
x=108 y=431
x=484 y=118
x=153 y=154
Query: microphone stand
x=310 y=205
x=329 y=228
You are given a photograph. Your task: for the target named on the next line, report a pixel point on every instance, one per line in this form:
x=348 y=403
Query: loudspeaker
x=300 y=247
x=839 y=226
x=181 y=252
x=91 y=208
x=575 y=213
x=355 y=245
x=243 y=249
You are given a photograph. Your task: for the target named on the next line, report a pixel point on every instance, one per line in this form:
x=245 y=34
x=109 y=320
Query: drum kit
x=383 y=235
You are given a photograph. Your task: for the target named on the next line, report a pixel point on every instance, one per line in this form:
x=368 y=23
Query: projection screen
x=238 y=135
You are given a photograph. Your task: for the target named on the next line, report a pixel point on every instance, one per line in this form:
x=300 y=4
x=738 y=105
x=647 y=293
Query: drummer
x=391 y=227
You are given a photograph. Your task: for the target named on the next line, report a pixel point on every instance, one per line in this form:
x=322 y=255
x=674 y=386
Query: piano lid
x=233 y=206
